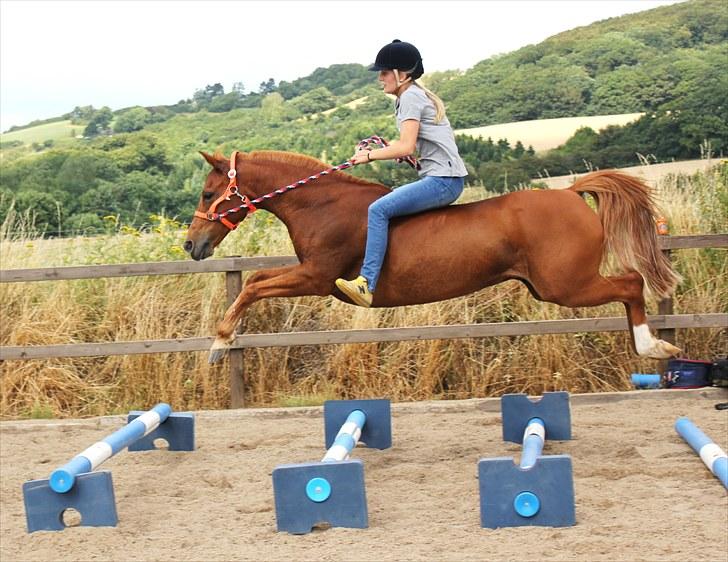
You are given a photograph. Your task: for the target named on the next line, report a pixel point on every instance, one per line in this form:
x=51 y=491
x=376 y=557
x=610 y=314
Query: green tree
x=267 y=87
x=81 y=171
x=224 y=103
x=99 y=122
x=136 y=151
x=339 y=79
x=79 y=114
x=204 y=97
x=273 y=108
x=133 y=119
x=610 y=51
x=239 y=89
x=314 y=101
x=43 y=208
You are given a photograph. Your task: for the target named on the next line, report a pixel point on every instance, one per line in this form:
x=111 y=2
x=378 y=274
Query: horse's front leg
x=290 y=281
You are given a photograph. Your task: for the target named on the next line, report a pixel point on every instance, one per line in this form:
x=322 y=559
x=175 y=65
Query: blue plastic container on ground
x=641 y=380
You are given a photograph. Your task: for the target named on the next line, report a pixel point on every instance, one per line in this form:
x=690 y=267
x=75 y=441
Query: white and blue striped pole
x=318 y=489
x=711 y=454
x=527 y=503
x=347 y=438
x=63 y=478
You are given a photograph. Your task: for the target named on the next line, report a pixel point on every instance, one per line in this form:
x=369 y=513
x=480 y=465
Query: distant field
x=545 y=134
x=50 y=131
x=652 y=173
x=353 y=104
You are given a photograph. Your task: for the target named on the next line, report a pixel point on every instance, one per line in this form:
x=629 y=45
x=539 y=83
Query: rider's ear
x=219 y=164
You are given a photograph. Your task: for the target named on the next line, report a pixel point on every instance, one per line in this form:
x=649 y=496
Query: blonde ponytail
x=438 y=103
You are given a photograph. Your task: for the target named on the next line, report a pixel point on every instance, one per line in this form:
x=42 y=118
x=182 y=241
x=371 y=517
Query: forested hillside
x=621 y=65
x=671 y=63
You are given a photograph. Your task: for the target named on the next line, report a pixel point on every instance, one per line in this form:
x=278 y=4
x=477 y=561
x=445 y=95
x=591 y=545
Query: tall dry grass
x=139 y=308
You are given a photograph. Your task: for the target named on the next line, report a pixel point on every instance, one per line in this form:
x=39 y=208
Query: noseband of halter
x=232 y=188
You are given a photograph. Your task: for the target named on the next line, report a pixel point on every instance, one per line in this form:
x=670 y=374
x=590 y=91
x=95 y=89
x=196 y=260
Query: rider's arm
x=404 y=146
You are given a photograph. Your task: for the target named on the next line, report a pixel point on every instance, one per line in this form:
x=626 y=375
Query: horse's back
x=547 y=216
x=466 y=247
x=519 y=216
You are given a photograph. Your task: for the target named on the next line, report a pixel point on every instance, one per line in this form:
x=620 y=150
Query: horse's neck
x=317 y=205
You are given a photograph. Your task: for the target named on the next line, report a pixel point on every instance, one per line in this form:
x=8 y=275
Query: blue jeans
x=429 y=192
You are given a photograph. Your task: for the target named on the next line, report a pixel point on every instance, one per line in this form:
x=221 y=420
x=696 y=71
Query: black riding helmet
x=401 y=56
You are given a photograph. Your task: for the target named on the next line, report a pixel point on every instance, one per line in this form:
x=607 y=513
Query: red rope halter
x=232 y=188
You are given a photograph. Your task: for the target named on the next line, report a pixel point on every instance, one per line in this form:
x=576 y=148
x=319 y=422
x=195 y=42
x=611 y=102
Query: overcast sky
x=55 y=55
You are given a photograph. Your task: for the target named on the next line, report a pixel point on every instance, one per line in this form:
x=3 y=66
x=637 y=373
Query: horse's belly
x=442 y=267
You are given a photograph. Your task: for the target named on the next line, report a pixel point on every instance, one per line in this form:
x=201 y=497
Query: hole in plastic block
x=71 y=517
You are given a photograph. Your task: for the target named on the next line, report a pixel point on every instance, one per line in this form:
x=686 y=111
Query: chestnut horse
x=550 y=240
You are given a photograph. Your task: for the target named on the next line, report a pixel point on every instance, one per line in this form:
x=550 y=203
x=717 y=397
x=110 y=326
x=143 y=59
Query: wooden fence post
x=666 y=306
x=233 y=286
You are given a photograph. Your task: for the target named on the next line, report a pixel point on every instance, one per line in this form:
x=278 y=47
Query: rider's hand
x=360 y=157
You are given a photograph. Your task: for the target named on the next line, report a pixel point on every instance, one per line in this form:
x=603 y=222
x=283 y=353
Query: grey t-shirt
x=438 y=153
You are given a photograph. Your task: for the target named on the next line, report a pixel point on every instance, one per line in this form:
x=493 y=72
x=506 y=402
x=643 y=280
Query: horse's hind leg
x=626 y=289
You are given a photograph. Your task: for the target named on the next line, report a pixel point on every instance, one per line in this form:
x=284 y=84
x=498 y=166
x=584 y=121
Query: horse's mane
x=308 y=163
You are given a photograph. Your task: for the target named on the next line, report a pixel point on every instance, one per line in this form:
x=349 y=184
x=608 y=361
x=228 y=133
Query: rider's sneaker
x=357 y=290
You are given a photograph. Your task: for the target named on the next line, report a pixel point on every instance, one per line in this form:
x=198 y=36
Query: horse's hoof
x=663 y=350
x=216 y=355
x=649 y=346
x=218 y=351
x=670 y=350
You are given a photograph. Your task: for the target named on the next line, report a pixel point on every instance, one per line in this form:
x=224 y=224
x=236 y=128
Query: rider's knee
x=378 y=210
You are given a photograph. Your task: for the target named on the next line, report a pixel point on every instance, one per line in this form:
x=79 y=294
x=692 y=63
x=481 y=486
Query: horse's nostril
x=188 y=245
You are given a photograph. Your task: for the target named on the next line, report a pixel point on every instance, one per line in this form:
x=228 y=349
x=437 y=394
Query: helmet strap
x=400 y=82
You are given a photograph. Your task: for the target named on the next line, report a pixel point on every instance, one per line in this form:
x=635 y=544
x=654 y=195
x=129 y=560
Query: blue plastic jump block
x=552 y=408
x=93 y=492
x=346 y=505
x=92 y=496
x=377 y=431
x=178 y=431
x=341 y=500
x=550 y=480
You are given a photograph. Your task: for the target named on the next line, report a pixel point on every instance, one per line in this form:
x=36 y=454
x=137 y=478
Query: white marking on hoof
x=649 y=346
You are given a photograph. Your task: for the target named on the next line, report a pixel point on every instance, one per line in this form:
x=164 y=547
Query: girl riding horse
x=422 y=124
x=550 y=240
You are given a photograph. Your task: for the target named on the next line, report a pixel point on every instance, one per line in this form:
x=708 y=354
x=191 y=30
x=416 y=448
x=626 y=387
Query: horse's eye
x=207 y=195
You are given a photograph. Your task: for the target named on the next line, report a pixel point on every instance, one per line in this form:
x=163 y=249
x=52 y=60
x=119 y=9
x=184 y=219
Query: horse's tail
x=627 y=210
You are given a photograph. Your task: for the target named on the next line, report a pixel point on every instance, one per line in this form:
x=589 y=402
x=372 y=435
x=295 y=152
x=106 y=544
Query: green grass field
x=60 y=130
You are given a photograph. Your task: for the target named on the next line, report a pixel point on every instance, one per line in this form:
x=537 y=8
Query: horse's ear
x=211 y=160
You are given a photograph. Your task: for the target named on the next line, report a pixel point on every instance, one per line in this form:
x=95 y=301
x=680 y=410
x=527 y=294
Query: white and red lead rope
x=232 y=188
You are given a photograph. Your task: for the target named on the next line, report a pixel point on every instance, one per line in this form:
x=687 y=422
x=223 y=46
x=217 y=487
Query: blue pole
x=62 y=479
x=533 y=440
x=711 y=454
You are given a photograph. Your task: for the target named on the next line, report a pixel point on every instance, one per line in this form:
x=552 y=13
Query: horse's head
x=223 y=205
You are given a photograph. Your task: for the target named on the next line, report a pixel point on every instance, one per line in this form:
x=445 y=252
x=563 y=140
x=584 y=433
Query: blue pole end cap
x=527 y=504
x=318 y=489
x=61 y=481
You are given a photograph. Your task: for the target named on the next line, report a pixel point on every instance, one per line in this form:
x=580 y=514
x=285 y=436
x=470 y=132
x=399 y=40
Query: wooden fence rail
x=665 y=322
